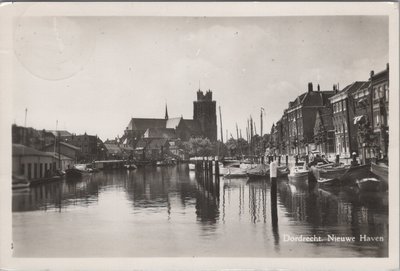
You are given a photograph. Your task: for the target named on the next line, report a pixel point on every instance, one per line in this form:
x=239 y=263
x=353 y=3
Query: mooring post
x=216 y=167
x=273 y=176
x=287 y=160
x=210 y=170
x=337 y=160
x=296 y=160
x=279 y=160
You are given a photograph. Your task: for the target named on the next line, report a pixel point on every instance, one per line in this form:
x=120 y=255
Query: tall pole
x=55 y=138
x=261 y=121
x=226 y=135
x=237 y=132
x=251 y=135
x=59 y=152
x=26 y=114
x=220 y=121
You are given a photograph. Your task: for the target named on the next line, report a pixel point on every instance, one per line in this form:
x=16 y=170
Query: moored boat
x=166 y=162
x=283 y=171
x=356 y=173
x=192 y=167
x=328 y=181
x=259 y=171
x=130 y=166
x=235 y=172
x=368 y=184
x=332 y=171
x=77 y=171
x=298 y=171
x=381 y=170
x=19 y=182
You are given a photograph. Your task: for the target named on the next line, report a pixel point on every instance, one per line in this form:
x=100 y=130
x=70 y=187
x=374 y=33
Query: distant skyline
x=93 y=74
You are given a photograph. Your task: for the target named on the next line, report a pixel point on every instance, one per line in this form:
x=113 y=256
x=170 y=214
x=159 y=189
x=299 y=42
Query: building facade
x=203 y=124
x=301 y=116
x=380 y=110
x=343 y=113
x=204 y=113
x=31 y=163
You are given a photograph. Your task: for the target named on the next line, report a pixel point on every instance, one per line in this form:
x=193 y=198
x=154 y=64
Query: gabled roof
x=382 y=75
x=351 y=88
x=173 y=123
x=21 y=150
x=317 y=98
x=160 y=133
x=70 y=146
x=112 y=148
x=61 y=132
x=144 y=124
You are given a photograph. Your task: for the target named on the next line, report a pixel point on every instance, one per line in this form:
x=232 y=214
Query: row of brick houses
x=351 y=120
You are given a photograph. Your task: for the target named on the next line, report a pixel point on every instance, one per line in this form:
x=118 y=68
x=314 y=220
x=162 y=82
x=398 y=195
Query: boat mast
x=261 y=121
x=220 y=121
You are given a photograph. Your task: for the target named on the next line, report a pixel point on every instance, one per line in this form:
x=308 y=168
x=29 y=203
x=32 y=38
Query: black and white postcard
x=199 y=136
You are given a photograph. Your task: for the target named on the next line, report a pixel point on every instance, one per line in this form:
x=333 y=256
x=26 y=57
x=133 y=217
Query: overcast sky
x=94 y=74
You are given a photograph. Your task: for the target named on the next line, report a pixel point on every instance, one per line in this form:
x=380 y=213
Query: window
x=340 y=106
x=35 y=170
x=344 y=105
x=377 y=120
x=376 y=95
x=29 y=171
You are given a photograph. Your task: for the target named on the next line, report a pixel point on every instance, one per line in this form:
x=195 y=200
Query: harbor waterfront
x=169 y=211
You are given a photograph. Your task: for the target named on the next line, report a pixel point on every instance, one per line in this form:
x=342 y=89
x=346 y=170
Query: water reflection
x=171 y=202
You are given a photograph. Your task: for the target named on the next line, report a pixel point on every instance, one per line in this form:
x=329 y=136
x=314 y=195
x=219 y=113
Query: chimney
x=334 y=87
x=387 y=66
x=310 y=87
x=319 y=89
x=371 y=73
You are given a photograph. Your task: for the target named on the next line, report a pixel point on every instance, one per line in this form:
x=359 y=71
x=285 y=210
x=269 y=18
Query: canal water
x=156 y=212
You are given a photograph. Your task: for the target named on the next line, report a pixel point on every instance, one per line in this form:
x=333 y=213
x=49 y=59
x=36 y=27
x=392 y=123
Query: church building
x=203 y=124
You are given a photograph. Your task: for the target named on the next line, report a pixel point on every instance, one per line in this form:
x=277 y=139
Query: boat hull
x=369 y=184
x=329 y=182
x=75 y=173
x=331 y=173
x=382 y=171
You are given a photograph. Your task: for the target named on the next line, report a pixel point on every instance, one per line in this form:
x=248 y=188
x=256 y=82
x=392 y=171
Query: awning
x=358 y=119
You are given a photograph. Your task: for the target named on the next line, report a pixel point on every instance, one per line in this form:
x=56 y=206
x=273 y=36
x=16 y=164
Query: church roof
x=144 y=124
x=160 y=133
x=173 y=123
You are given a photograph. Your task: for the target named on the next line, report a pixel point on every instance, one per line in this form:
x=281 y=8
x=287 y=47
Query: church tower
x=204 y=112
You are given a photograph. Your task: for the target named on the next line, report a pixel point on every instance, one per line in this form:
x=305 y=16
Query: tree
x=237 y=147
x=199 y=147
